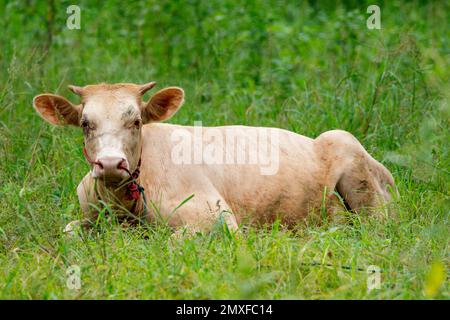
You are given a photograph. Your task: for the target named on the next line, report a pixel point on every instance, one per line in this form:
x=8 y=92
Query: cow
x=144 y=171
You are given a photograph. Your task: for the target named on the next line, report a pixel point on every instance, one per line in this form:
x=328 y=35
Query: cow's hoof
x=72 y=227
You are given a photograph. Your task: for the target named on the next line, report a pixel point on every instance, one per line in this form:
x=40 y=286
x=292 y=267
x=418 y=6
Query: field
x=304 y=66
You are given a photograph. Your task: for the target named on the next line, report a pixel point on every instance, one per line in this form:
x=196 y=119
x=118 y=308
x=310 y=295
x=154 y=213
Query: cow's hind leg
x=365 y=184
x=362 y=181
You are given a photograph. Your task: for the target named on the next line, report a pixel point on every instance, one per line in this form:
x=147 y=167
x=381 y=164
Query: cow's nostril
x=122 y=164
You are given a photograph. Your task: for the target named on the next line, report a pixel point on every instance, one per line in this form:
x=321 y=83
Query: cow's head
x=111 y=116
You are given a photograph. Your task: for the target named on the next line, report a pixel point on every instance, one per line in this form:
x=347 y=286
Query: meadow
x=305 y=66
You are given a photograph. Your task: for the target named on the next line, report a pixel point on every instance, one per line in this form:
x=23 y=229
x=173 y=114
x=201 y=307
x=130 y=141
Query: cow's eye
x=137 y=123
x=86 y=126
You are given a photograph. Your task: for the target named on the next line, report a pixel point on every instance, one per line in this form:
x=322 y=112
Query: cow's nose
x=110 y=167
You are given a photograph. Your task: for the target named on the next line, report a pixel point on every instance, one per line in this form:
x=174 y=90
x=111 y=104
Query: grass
x=303 y=66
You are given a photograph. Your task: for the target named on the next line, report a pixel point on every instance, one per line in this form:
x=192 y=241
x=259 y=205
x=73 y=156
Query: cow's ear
x=163 y=104
x=57 y=110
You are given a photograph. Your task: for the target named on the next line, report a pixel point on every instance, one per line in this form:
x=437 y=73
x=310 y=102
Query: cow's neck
x=115 y=196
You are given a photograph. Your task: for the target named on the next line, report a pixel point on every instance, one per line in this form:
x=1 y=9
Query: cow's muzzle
x=110 y=168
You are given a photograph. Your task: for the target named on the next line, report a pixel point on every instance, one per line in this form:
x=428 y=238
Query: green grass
x=303 y=66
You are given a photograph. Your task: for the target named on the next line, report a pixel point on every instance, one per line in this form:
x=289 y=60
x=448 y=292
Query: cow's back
x=285 y=176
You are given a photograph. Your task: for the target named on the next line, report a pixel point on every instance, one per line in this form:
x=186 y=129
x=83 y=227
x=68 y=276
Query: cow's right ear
x=57 y=110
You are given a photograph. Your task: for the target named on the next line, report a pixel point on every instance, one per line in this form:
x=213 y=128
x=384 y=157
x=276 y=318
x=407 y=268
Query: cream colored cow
x=194 y=166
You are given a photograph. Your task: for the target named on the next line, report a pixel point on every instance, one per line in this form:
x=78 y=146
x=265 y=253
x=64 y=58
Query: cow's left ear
x=57 y=110
x=163 y=104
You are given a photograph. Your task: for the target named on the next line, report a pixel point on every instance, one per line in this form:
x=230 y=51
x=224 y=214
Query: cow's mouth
x=133 y=189
x=118 y=175
x=112 y=179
